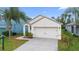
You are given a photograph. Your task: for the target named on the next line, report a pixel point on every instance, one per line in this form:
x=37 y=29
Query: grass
x=11 y=44
x=68 y=42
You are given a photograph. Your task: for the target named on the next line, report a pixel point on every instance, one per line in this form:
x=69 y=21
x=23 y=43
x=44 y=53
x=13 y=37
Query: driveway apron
x=39 y=44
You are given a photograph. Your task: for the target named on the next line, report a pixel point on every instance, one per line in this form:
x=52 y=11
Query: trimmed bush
x=29 y=34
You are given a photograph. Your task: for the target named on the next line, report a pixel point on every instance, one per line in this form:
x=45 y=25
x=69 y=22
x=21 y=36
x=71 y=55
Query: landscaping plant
x=29 y=34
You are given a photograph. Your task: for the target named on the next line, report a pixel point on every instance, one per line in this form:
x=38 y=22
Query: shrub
x=13 y=33
x=75 y=35
x=29 y=34
x=21 y=34
x=26 y=33
x=6 y=33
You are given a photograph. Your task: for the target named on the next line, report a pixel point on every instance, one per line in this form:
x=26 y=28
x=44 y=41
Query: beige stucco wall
x=47 y=23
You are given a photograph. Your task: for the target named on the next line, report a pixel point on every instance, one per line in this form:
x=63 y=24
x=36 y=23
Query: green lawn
x=68 y=42
x=12 y=43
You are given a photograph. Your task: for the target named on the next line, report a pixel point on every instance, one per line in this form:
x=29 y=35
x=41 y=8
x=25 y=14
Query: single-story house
x=73 y=28
x=43 y=27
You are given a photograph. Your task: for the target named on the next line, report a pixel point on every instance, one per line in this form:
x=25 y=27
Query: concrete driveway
x=39 y=44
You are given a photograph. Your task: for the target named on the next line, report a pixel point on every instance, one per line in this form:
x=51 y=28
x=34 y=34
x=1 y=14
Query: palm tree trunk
x=9 y=30
x=9 y=33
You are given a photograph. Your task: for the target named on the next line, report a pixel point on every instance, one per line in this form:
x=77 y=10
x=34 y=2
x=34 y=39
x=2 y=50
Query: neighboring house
x=73 y=28
x=44 y=27
x=16 y=27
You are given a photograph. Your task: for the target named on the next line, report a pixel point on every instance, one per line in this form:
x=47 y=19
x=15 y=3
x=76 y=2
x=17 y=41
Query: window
x=72 y=29
x=77 y=29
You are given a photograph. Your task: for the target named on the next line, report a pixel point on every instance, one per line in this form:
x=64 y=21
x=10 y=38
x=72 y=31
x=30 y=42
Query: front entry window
x=26 y=29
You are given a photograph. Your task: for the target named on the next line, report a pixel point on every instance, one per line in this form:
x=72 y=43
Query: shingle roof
x=41 y=16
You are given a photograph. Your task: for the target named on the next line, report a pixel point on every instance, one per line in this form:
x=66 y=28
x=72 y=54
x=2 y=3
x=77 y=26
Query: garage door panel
x=45 y=32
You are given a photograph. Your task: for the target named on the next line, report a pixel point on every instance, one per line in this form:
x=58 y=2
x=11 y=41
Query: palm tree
x=1 y=13
x=64 y=15
x=13 y=14
x=58 y=19
x=69 y=19
x=74 y=11
x=62 y=19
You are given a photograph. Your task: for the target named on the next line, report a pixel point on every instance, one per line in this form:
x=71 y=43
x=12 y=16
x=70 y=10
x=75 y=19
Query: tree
x=63 y=19
x=74 y=11
x=69 y=19
x=1 y=13
x=13 y=14
x=53 y=17
x=64 y=16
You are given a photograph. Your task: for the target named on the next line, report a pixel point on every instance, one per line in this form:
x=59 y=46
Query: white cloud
x=60 y=8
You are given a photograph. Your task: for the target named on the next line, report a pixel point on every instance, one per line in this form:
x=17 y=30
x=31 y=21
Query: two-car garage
x=46 y=32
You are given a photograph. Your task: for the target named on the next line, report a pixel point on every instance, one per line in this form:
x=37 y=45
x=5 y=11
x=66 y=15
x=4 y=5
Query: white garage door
x=43 y=32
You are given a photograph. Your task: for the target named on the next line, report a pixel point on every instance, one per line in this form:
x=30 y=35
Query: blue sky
x=46 y=11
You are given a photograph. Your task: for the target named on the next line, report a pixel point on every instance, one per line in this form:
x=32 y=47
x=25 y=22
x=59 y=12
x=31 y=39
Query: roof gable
x=40 y=17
